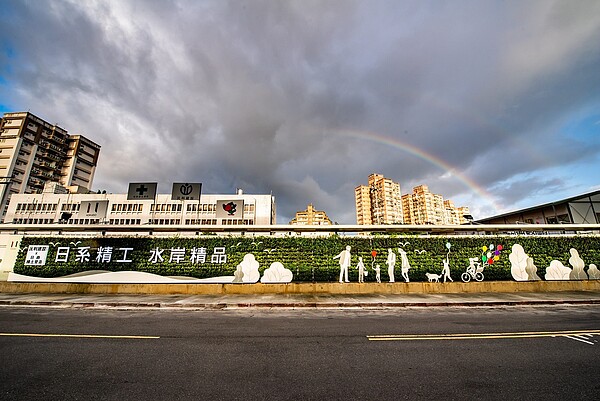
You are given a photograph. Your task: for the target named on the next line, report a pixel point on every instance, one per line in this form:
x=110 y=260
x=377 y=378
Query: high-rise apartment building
x=310 y=216
x=33 y=152
x=463 y=212
x=363 y=205
x=424 y=207
x=379 y=202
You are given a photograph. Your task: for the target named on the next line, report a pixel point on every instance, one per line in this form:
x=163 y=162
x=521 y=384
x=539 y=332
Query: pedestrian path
x=298 y=301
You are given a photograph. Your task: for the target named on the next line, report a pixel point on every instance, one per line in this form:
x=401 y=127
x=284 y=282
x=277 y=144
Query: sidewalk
x=297 y=301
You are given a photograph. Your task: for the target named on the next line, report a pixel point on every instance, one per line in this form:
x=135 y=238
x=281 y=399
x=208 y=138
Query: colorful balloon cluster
x=491 y=254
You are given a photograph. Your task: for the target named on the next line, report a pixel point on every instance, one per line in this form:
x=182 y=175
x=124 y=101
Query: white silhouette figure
x=391 y=262
x=446 y=270
x=361 y=270
x=345 y=258
x=433 y=277
x=474 y=271
x=405 y=264
x=377 y=274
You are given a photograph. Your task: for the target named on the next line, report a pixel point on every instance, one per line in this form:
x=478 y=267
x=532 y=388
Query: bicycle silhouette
x=474 y=271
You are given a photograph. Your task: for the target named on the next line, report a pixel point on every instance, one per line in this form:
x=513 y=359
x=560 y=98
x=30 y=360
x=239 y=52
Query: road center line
x=474 y=336
x=78 y=336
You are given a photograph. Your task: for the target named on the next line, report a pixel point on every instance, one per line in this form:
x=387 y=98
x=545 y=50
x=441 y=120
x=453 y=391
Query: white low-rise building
x=115 y=209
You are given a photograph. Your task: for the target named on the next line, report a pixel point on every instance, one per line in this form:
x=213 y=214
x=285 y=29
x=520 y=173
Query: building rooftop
x=545 y=205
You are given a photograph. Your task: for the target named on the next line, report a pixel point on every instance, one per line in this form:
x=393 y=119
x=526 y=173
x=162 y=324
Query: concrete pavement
x=297 y=301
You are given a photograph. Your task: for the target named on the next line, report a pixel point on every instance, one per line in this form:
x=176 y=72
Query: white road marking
x=578 y=338
x=474 y=336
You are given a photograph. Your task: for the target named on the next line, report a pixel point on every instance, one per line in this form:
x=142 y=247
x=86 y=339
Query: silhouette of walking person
x=446 y=270
x=377 y=273
x=391 y=262
x=405 y=264
x=361 y=270
x=344 y=258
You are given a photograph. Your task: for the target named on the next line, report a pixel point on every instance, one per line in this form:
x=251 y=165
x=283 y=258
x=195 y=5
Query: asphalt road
x=300 y=355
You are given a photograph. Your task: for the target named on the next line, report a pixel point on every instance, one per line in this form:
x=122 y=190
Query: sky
x=493 y=104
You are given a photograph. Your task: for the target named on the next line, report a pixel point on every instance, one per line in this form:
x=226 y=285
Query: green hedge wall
x=310 y=259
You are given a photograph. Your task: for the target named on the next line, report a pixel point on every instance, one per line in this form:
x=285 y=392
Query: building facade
x=310 y=216
x=33 y=152
x=582 y=209
x=424 y=207
x=464 y=214
x=454 y=215
x=115 y=209
x=362 y=195
x=379 y=202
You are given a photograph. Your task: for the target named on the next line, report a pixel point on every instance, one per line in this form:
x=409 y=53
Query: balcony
x=47 y=165
x=52 y=156
x=39 y=173
x=46 y=145
x=56 y=138
x=35 y=182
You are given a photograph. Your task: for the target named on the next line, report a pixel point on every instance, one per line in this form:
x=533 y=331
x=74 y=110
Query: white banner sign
x=36 y=255
x=230 y=209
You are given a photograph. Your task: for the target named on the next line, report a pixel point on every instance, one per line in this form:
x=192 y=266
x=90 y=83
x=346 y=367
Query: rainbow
x=421 y=154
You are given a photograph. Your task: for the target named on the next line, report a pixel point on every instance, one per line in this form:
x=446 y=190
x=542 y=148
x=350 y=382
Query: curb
x=291 y=305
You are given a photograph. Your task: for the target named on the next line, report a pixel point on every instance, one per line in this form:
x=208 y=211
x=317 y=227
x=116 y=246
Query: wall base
x=303 y=288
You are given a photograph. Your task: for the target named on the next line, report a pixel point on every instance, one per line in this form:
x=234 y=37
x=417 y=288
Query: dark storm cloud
x=258 y=94
x=526 y=190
